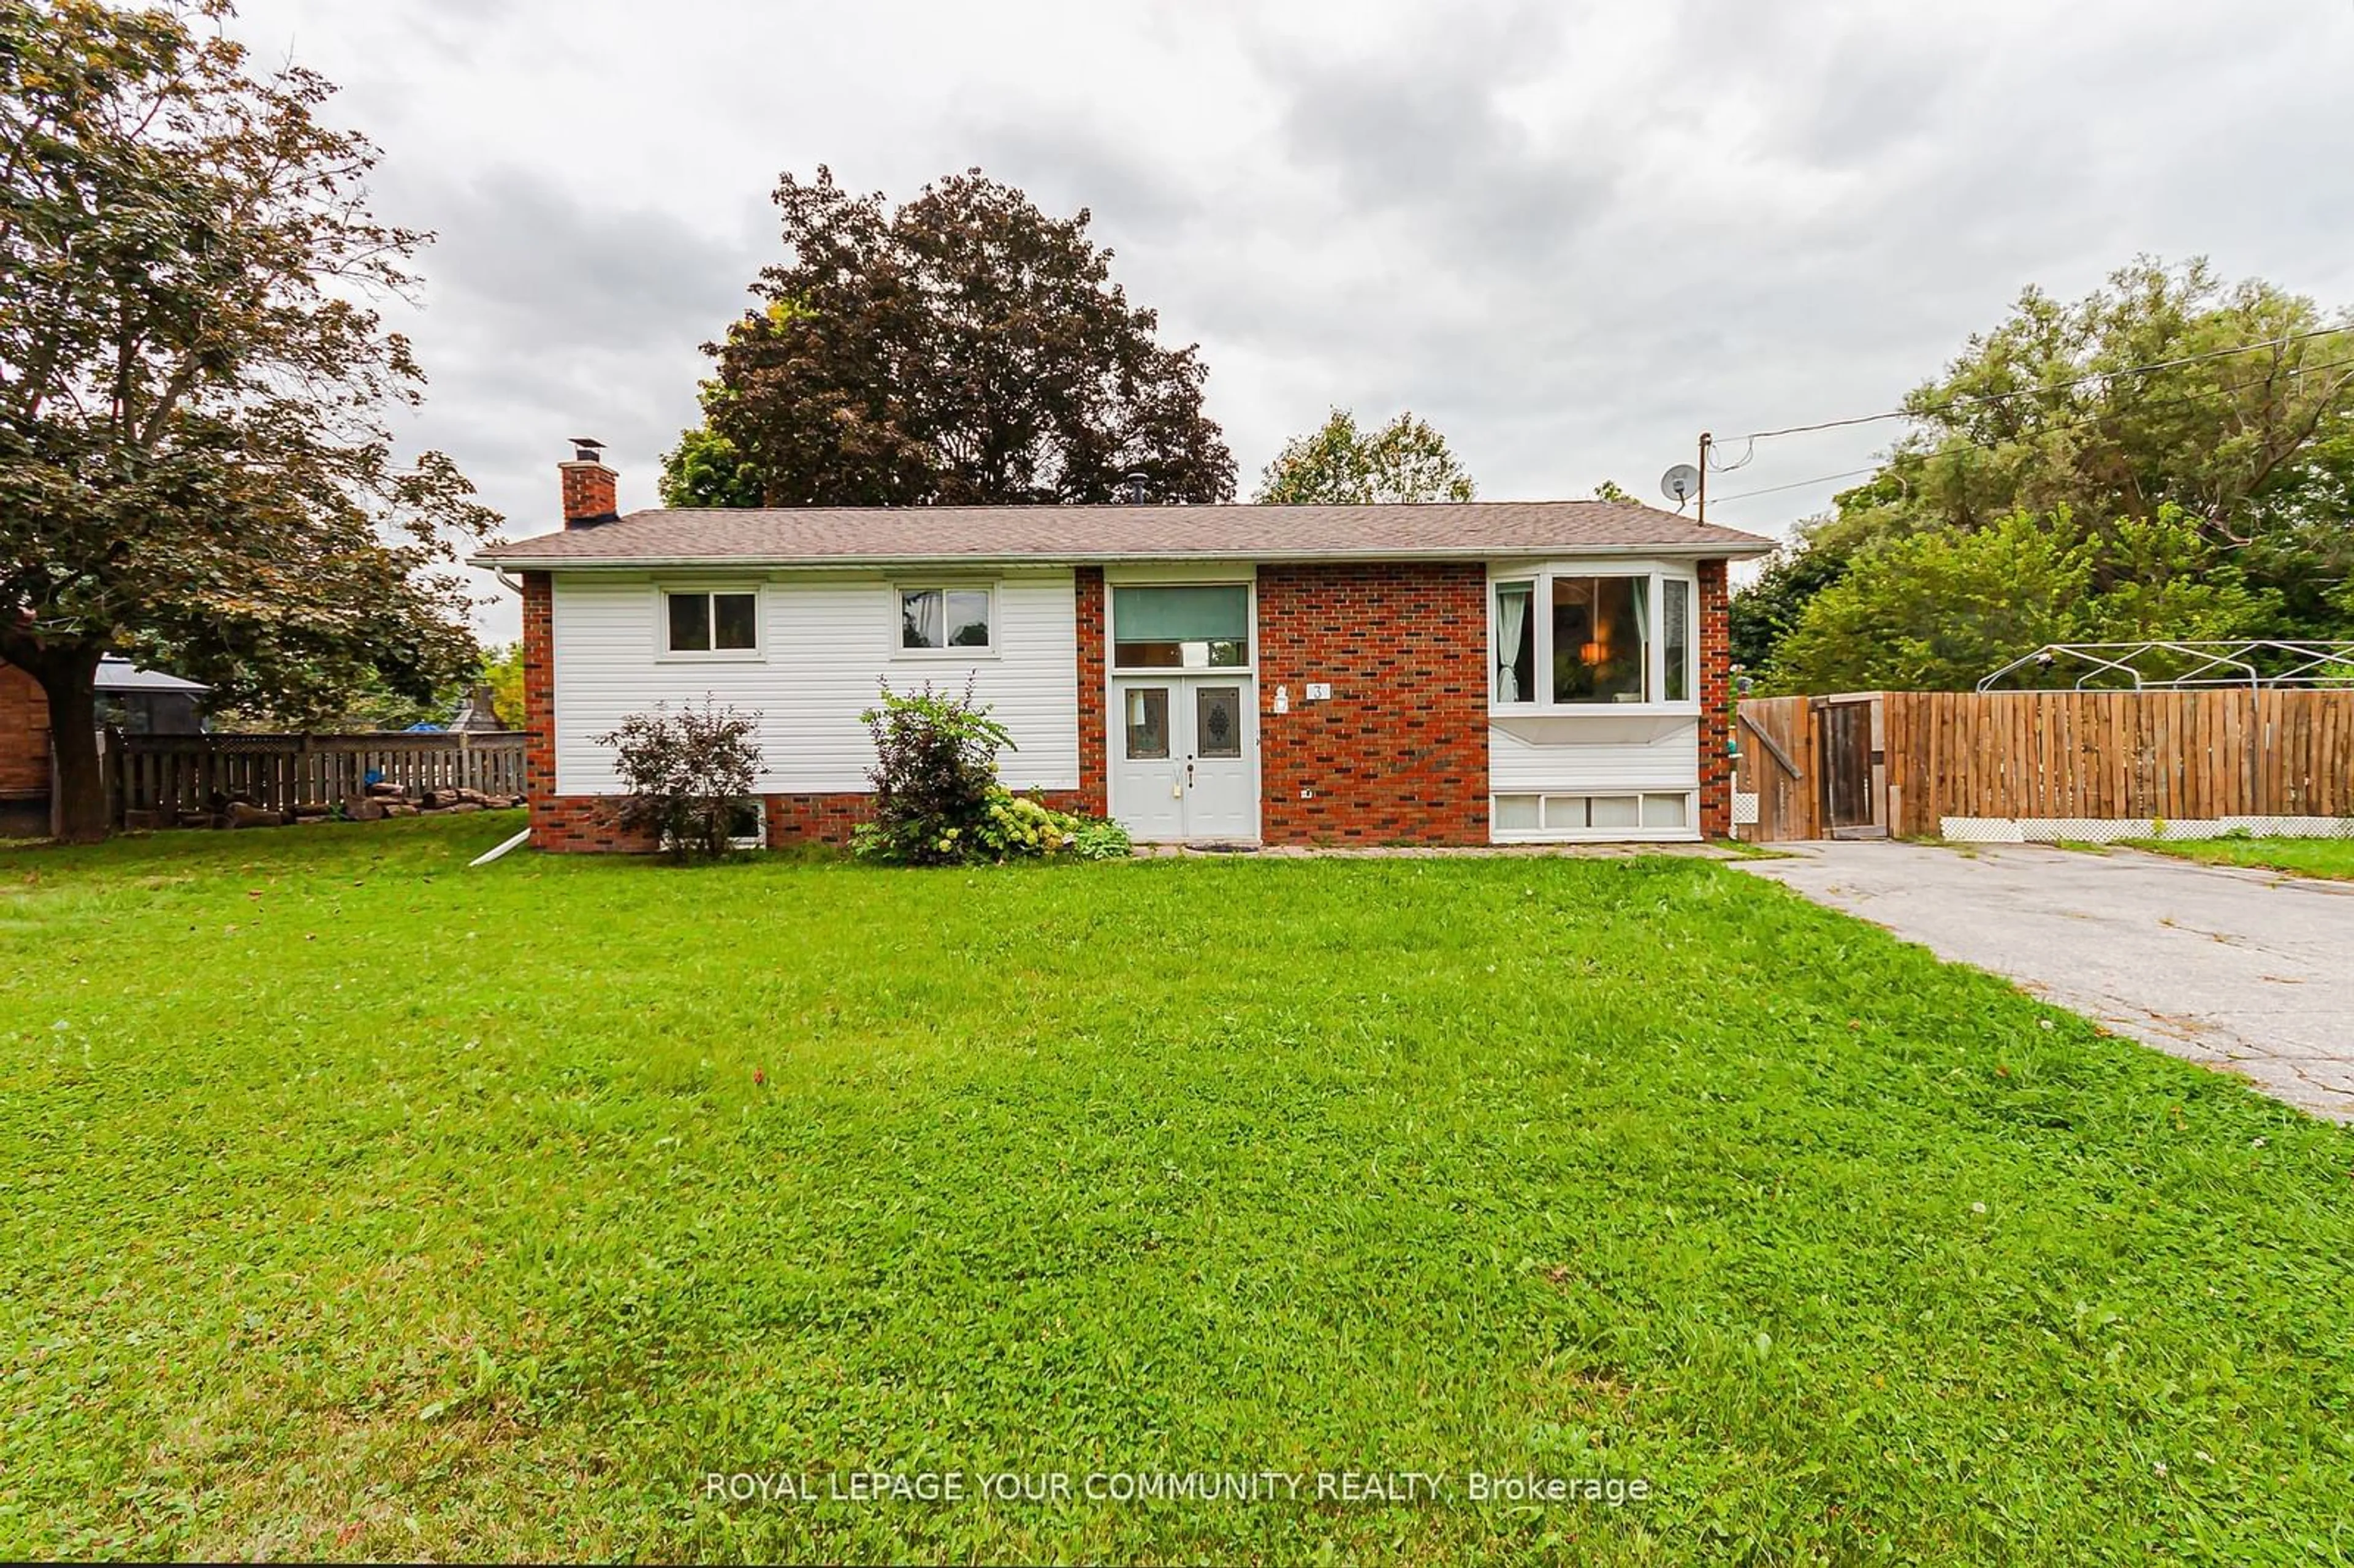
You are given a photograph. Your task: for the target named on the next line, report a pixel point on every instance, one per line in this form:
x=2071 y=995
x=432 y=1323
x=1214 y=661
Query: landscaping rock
x=245 y=814
x=399 y=809
x=364 y=809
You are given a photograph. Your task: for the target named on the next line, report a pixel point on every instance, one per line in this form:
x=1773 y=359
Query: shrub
x=938 y=800
x=935 y=777
x=1019 y=825
x=690 y=776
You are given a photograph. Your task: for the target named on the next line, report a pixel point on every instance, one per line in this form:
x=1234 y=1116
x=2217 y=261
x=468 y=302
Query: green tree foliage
x=960 y=348
x=195 y=463
x=2247 y=439
x=1336 y=464
x=503 y=672
x=705 y=469
x=1764 y=613
x=1937 y=611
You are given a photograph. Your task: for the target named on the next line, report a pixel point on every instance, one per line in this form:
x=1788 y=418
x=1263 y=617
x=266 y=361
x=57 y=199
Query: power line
x=1794 y=484
x=2039 y=430
x=1971 y=399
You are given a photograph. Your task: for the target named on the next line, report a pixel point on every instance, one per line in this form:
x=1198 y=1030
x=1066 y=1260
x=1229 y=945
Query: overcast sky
x=1572 y=237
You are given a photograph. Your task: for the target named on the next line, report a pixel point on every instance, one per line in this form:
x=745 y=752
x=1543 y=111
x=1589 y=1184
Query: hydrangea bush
x=938 y=800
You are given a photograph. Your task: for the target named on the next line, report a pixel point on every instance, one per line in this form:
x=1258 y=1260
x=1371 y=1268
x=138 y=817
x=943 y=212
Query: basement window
x=703 y=622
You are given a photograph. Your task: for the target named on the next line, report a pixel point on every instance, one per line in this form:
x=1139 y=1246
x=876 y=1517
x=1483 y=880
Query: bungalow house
x=1486 y=673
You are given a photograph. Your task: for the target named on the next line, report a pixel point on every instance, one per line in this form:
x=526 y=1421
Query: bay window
x=1575 y=640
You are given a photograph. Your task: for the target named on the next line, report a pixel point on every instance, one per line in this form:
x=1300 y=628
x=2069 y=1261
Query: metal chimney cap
x=587 y=449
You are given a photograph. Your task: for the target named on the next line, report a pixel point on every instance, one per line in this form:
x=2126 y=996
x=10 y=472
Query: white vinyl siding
x=826 y=642
x=1622 y=761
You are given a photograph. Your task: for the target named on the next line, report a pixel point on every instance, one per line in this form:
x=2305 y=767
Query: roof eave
x=1747 y=547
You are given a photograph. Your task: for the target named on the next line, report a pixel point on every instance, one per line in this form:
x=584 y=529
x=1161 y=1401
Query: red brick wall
x=1400 y=752
x=1093 y=798
x=24 y=737
x=1716 y=699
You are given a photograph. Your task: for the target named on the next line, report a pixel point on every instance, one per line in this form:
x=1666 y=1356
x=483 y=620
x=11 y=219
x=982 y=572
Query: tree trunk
x=69 y=678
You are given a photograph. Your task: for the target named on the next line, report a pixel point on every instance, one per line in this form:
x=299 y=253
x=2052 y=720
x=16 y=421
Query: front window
x=713 y=622
x=1196 y=626
x=943 y=620
x=1576 y=640
x=1601 y=646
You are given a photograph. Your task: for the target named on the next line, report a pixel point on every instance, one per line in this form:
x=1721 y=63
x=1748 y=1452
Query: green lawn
x=356 y=1204
x=2300 y=857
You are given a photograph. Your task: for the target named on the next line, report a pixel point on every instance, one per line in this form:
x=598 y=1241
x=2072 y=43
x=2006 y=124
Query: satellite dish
x=1681 y=483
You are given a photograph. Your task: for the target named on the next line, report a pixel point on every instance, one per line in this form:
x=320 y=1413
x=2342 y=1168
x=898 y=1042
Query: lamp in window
x=1592 y=653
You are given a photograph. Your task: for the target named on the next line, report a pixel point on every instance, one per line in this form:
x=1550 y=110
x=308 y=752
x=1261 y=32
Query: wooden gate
x=1853 y=765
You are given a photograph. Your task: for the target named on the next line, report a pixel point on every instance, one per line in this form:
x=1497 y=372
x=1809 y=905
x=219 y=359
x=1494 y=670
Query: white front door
x=1184 y=757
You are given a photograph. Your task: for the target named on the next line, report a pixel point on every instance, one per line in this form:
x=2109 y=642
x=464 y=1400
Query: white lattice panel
x=2085 y=830
x=1744 y=809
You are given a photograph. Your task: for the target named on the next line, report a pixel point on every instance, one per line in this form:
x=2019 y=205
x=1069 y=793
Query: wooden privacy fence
x=172 y=774
x=1871 y=763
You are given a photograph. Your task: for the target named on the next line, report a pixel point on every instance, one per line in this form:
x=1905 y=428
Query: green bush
x=938 y=800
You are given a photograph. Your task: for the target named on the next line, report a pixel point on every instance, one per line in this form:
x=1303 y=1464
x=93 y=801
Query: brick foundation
x=829 y=819
x=1399 y=755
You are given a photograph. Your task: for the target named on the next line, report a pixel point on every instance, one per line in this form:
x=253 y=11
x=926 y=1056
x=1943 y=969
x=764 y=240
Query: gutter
x=1277 y=557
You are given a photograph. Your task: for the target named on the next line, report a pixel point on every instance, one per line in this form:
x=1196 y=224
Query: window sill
x=1594 y=836
x=944 y=655
x=1593 y=710
x=716 y=656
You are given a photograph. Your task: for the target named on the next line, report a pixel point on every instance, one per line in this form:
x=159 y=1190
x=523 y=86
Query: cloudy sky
x=1571 y=236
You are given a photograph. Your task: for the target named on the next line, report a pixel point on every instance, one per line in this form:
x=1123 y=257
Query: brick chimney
x=591 y=491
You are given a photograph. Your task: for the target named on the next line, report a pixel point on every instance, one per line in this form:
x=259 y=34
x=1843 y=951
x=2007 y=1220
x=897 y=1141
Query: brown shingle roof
x=858 y=536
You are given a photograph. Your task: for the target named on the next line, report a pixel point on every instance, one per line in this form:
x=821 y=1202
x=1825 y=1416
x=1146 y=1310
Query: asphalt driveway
x=2247 y=970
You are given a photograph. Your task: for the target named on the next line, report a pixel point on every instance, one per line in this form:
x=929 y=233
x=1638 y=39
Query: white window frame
x=1542 y=576
x=1249 y=666
x=752 y=655
x=943 y=585
x=1541 y=834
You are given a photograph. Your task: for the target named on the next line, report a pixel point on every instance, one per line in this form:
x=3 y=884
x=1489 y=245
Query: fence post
x=466 y=779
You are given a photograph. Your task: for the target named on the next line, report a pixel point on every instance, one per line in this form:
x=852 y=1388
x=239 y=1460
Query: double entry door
x=1184 y=757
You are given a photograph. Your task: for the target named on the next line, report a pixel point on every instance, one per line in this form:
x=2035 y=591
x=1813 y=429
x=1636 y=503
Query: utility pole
x=1706 y=440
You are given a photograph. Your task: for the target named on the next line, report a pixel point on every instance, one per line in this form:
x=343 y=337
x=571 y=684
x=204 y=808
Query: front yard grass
x=2299 y=857
x=353 y=1205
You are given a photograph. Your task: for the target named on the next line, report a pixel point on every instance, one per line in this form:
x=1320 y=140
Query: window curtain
x=927 y=618
x=1511 y=623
